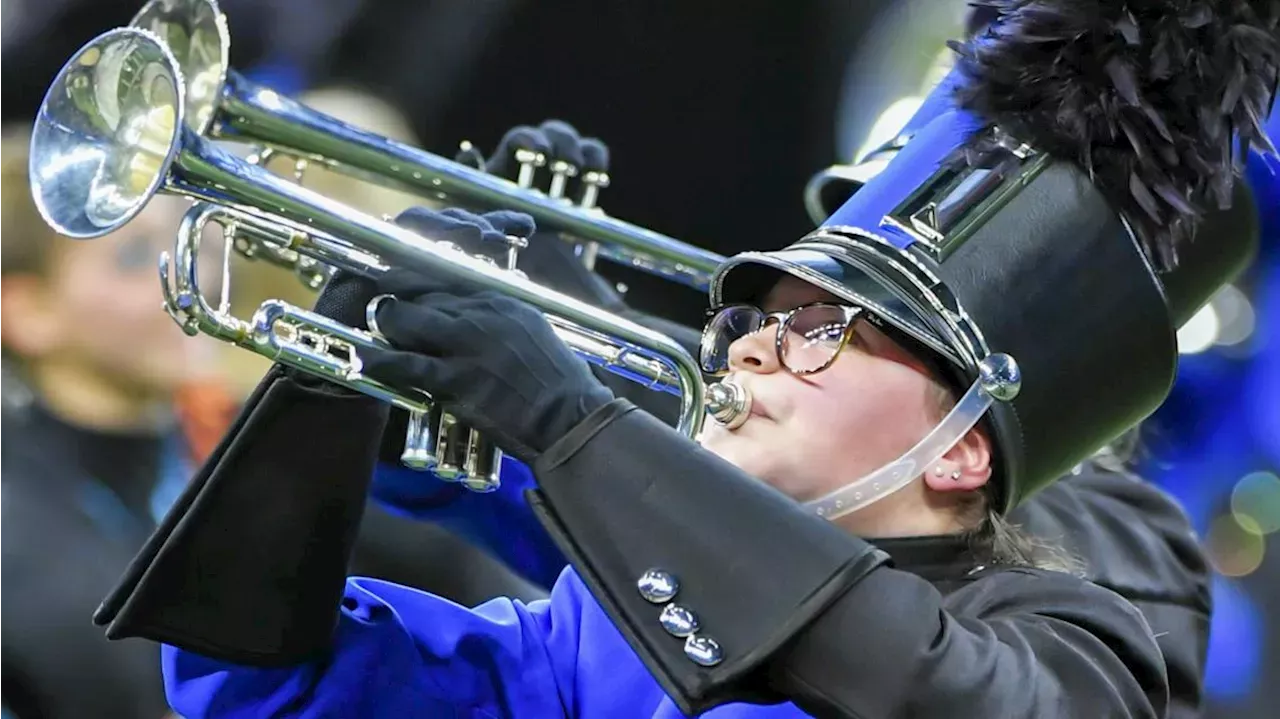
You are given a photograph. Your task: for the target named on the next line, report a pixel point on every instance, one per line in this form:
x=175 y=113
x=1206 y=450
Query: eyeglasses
x=808 y=340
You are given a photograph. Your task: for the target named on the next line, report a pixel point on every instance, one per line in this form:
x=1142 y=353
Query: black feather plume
x=1158 y=100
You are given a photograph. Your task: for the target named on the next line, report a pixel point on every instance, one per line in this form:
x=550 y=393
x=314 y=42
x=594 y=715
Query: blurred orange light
x=1233 y=550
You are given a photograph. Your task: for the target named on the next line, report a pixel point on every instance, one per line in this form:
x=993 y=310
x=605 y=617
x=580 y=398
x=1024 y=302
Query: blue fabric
x=280 y=74
x=501 y=522
x=400 y=652
x=113 y=518
x=176 y=470
x=941 y=99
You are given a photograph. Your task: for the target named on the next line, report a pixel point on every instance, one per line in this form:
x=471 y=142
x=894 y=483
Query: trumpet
x=111 y=134
x=223 y=105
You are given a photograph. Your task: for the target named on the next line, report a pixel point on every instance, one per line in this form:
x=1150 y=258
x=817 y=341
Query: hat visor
x=748 y=277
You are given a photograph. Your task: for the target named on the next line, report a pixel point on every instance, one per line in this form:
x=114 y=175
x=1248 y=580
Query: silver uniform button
x=678 y=621
x=658 y=586
x=703 y=650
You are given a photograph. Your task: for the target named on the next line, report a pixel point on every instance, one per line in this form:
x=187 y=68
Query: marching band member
x=1100 y=519
x=1130 y=536
x=1124 y=533
x=99 y=438
x=994 y=306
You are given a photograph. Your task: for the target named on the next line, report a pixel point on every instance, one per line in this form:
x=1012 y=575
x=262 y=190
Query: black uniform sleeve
x=1133 y=538
x=292 y=475
x=784 y=606
x=1017 y=643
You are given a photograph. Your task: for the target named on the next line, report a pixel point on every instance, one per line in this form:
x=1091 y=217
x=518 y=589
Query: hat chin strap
x=899 y=473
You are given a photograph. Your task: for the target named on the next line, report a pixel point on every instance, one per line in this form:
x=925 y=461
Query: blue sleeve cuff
x=500 y=523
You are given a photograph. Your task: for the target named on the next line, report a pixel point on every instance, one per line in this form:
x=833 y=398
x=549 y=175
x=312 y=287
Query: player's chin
x=747 y=449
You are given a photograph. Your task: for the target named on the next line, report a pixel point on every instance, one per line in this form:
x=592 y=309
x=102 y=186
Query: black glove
x=550 y=260
x=581 y=160
x=494 y=362
x=557 y=263
x=485 y=235
x=250 y=563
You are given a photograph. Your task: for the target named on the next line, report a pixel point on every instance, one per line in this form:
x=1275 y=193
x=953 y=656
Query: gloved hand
x=551 y=260
x=494 y=362
x=581 y=162
x=474 y=234
x=557 y=262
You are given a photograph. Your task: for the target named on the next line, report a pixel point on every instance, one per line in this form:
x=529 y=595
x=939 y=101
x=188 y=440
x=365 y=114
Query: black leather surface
x=1222 y=248
x=1056 y=281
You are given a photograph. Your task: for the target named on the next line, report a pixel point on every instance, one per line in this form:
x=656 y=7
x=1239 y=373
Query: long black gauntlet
x=249 y=565
x=705 y=571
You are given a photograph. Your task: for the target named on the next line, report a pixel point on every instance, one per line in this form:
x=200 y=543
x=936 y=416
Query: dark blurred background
x=716 y=114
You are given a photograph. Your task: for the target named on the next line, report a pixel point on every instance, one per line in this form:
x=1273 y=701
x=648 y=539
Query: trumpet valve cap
x=481 y=485
x=530 y=157
x=597 y=179
x=560 y=167
x=529 y=162
x=448 y=472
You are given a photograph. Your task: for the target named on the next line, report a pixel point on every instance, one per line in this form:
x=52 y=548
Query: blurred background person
x=105 y=404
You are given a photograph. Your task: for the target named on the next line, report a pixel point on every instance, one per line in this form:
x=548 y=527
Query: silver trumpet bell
x=222 y=105
x=111 y=134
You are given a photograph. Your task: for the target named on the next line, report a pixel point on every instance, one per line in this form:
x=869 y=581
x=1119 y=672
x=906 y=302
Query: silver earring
x=937 y=472
x=956 y=475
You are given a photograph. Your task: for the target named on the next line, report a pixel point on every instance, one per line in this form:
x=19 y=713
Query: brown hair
x=993 y=539
x=28 y=245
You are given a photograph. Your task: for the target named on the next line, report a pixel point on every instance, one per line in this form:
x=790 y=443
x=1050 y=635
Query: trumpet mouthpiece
x=728 y=403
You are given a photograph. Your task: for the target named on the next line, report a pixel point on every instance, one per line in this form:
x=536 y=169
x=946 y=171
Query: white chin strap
x=899 y=473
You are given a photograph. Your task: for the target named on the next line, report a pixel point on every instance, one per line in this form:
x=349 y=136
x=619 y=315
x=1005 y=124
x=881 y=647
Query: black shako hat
x=1056 y=209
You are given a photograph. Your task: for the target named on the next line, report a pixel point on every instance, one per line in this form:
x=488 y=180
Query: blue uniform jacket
x=402 y=652
x=405 y=653
x=500 y=522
